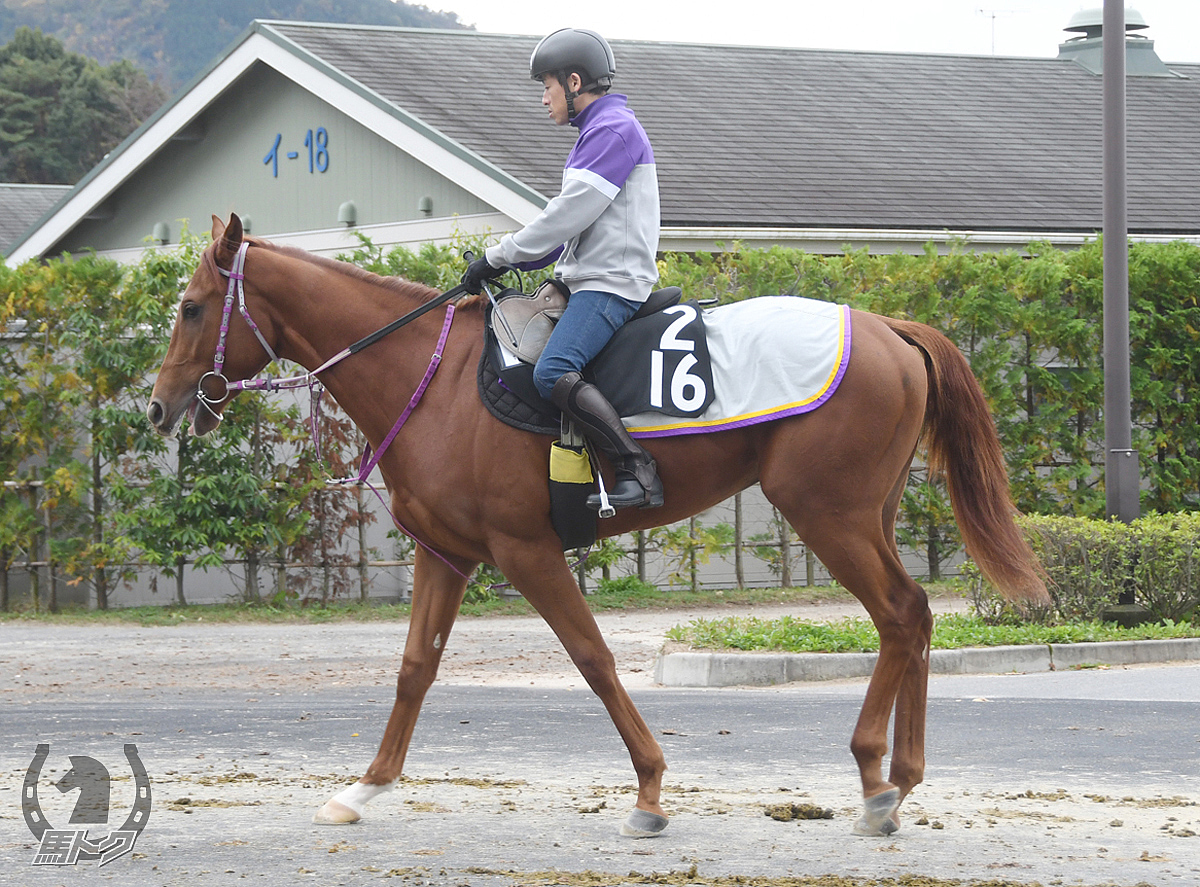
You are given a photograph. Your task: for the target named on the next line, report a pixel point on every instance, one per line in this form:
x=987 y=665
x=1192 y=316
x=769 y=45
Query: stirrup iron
x=606 y=509
x=570 y=435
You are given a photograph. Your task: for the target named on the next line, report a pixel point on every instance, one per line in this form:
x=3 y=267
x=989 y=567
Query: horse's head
x=192 y=381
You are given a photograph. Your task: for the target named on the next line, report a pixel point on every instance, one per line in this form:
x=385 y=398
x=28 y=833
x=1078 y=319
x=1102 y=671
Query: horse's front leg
x=438 y=591
x=543 y=577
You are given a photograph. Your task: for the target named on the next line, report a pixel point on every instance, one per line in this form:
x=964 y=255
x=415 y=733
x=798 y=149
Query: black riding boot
x=637 y=480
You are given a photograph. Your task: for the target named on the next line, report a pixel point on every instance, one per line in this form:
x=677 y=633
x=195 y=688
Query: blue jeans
x=591 y=319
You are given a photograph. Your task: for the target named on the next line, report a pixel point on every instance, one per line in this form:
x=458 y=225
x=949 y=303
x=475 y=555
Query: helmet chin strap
x=571 y=95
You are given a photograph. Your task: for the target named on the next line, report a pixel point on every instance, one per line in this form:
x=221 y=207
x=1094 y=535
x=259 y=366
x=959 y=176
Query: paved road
x=1073 y=778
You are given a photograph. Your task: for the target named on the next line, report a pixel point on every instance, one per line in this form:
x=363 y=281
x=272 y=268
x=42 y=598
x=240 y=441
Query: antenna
x=993 y=14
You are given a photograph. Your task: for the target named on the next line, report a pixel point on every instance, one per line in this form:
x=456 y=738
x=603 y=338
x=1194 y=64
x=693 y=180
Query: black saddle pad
x=504 y=403
x=659 y=362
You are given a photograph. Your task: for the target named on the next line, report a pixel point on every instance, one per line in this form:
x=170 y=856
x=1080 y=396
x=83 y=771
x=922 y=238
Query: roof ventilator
x=1087 y=51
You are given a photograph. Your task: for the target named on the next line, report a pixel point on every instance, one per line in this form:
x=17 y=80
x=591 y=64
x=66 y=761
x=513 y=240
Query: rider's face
x=554 y=99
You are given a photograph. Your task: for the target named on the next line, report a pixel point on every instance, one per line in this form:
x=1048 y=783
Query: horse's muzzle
x=161 y=419
x=166 y=421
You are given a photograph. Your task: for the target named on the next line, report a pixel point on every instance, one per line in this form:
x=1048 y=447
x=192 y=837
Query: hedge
x=1156 y=559
x=83 y=336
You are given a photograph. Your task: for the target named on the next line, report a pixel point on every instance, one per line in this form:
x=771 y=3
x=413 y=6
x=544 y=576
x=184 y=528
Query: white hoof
x=335 y=813
x=643 y=824
x=876 y=821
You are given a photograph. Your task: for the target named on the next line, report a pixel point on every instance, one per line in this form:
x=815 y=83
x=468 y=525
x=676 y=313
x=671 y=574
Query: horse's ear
x=228 y=238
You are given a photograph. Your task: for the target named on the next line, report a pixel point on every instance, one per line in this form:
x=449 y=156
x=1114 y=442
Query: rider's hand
x=477 y=272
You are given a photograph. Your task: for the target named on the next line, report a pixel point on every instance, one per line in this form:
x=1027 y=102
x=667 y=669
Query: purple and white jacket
x=607 y=212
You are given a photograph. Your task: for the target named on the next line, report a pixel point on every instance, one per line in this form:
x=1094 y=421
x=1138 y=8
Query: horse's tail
x=964 y=447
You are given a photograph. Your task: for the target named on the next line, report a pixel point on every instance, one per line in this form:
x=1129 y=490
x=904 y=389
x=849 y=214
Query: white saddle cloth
x=772 y=356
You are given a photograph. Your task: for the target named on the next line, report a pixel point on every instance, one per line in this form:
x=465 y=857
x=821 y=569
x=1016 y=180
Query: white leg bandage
x=356 y=796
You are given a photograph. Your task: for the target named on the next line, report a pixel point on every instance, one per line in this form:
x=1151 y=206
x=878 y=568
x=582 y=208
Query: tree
x=115 y=329
x=174 y=39
x=61 y=112
x=1164 y=284
x=38 y=398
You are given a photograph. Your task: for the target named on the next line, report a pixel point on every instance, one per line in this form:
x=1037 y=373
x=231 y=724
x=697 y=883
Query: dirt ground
x=486 y=806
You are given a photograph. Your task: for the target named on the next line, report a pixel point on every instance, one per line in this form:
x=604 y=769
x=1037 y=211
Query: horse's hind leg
x=864 y=564
x=847 y=524
x=547 y=583
x=908 y=753
x=437 y=595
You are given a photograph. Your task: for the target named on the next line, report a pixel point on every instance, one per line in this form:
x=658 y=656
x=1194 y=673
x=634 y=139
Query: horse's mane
x=402 y=286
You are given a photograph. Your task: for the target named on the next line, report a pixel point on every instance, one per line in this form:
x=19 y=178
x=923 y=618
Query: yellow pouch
x=571 y=482
x=570 y=466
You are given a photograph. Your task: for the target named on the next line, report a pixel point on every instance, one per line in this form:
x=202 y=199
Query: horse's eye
x=190 y=311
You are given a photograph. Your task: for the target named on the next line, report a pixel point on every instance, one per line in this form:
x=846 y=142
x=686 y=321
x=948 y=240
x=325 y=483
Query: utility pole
x=1121 y=475
x=1121 y=465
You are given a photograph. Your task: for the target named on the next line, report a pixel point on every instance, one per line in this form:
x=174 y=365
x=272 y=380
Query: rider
x=603 y=231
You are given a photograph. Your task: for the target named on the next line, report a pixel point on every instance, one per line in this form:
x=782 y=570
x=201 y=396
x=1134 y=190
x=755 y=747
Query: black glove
x=477 y=272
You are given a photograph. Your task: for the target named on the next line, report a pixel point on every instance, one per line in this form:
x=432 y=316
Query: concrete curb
x=768 y=669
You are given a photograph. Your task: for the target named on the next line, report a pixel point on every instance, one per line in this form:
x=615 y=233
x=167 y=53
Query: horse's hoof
x=877 y=821
x=335 y=813
x=643 y=824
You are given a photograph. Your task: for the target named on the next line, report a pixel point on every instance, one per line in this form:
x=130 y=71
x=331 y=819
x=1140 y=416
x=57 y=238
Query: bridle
x=237 y=278
x=370 y=458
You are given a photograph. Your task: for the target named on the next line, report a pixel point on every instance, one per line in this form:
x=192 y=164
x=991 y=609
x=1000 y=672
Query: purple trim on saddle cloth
x=770 y=414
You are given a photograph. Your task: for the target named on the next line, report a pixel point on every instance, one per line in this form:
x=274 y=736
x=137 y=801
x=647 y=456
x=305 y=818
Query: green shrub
x=1166 y=572
x=626 y=587
x=485 y=585
x=1089 y=563
x=952 y=631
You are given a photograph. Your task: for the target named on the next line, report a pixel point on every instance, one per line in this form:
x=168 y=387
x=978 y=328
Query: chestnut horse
x=472 y=490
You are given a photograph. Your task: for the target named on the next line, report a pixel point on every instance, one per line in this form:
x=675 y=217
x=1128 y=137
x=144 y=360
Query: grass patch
x=858 y=635
x=786 y=634
x=618 y=594
x=172 y=614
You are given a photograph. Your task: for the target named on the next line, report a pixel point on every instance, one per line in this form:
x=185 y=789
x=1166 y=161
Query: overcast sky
x=974 y=27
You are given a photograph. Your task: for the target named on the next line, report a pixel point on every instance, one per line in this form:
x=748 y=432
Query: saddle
x=524 y=322
x=680 y=371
